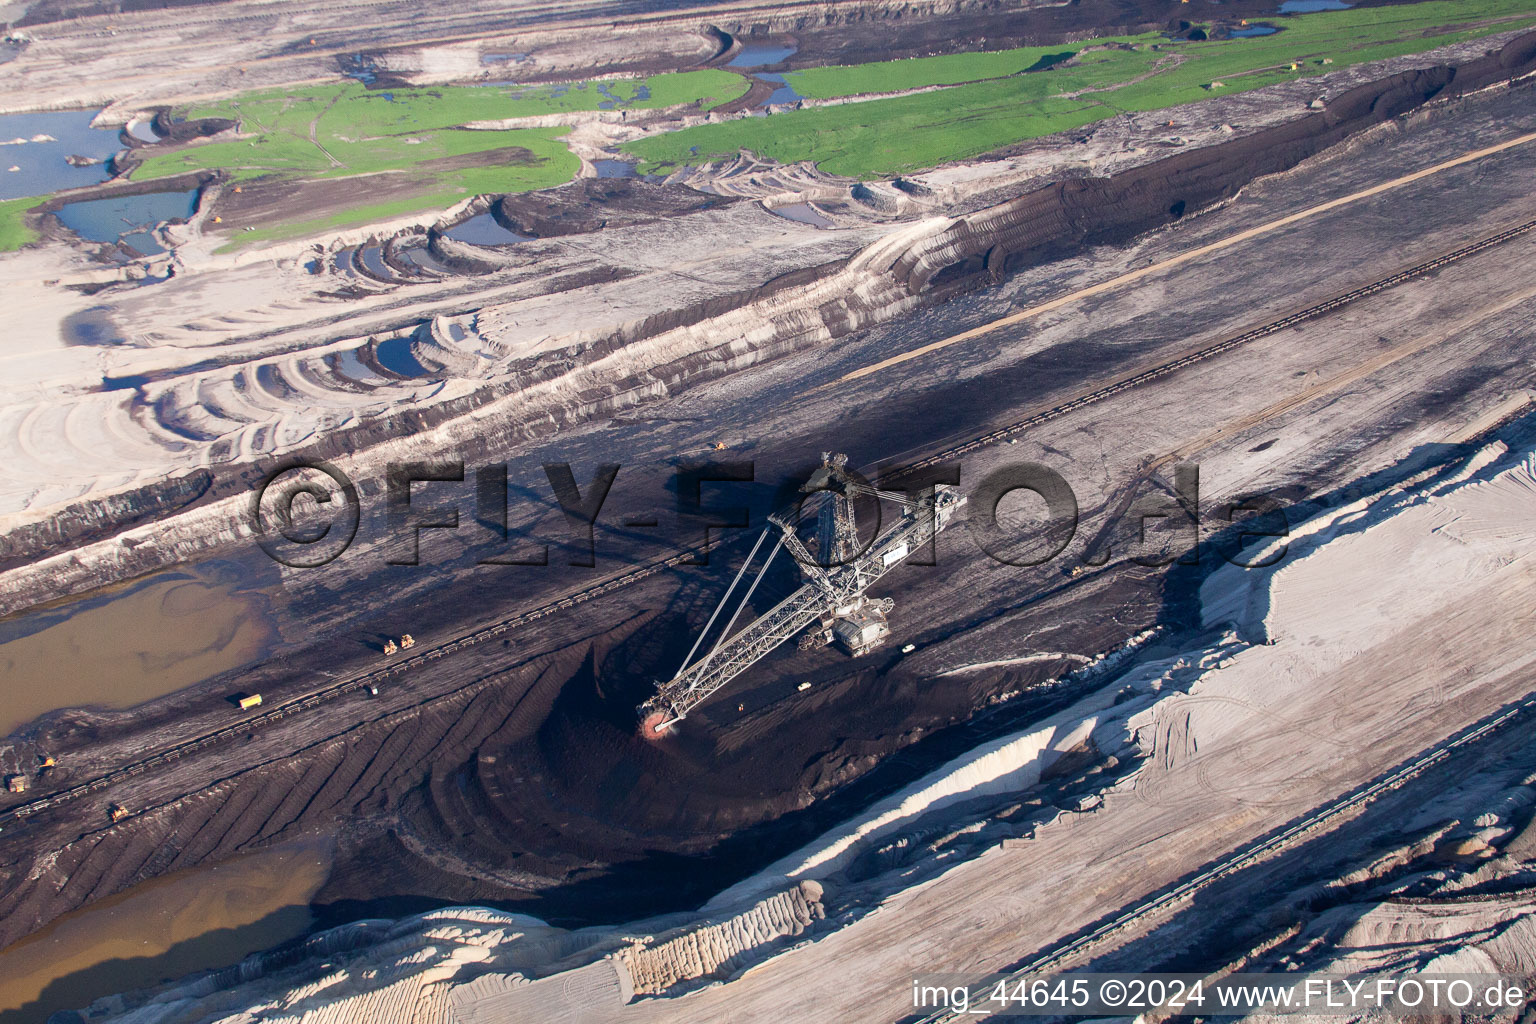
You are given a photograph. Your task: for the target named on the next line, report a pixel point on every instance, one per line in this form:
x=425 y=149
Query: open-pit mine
x=731 y=511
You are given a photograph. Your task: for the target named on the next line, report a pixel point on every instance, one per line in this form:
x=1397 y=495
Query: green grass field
x=441 y=189
x=896 y=75
x=334 y=130
x=14 y=232
x=879 y=138
x=337 y=131
x=413 y=142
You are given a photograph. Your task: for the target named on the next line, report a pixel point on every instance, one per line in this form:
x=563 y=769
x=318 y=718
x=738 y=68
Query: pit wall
x=920 y=264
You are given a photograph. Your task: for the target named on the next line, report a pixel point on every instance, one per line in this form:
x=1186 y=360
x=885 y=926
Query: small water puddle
x=372 y=259
x=394 y=354
x=782 y=92
x=756 y=55
x=484 y=230
x=349 y=365
x=1253 y=30
x=162 y=634
x=143 y=129
x=421 y=258
x=129 y=219
x=614 y=169
x=362 y=67
x=610 y=101
x=91 y=326
x=1309 y=6
x=803 y=213
x=194 y=920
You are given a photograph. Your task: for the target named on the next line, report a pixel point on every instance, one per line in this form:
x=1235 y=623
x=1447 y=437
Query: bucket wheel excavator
x=832 y=605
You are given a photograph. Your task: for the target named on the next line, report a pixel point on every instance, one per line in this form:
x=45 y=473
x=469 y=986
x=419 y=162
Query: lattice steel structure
x=835 y=591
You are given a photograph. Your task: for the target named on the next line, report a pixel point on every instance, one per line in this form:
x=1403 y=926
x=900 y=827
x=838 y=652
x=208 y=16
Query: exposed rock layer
x=568 y=379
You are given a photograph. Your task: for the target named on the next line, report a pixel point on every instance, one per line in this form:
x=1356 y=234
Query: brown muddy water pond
x=119 y=648
x=194 y=920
